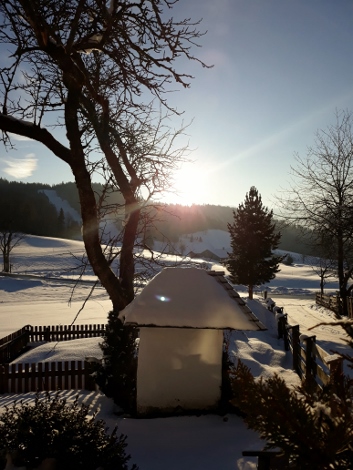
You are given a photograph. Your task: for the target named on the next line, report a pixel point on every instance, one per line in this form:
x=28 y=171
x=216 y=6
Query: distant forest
x=24 y=208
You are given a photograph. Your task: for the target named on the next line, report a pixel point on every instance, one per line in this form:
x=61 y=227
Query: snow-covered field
x=40 y=293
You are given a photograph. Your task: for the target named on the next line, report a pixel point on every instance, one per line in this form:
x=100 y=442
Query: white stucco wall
x=179 y=367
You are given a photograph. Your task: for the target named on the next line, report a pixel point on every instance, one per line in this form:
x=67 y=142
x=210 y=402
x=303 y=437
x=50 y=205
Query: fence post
x=335 y=364
x=296 y=349
x=2 y=379
x=310 y=371
x=91 y=365
x=350 y=307
x=281 y=322
x=47 y=333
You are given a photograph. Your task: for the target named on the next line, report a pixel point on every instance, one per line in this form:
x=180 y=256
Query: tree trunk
x=251 y=291
x=90 y=234
x=90 y=222
x=6 y=257
x=342 y=309
x=127 y=265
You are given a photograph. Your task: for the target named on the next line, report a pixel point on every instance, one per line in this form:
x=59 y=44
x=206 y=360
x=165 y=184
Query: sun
x=190 y=186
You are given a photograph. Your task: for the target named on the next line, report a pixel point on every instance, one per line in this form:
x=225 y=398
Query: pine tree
x=253 y=239
x=61 y=223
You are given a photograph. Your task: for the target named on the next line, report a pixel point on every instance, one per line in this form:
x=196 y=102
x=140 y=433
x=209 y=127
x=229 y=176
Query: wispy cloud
x=20 y=167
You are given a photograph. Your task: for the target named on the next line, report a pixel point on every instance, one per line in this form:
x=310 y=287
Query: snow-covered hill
x=107 y=226
x=61 y=204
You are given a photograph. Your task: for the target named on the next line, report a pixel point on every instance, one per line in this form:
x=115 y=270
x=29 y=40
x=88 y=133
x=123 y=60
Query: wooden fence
x=15 y=344
x=315 y=366
x=334 y=302
x=312 y=363
x=65 y=332
x=68 y=375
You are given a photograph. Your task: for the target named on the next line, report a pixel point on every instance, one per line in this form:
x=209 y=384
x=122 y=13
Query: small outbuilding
x=182 y=314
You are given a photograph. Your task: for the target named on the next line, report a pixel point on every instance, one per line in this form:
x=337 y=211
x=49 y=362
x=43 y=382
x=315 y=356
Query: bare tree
x=324 y=264
x=8 y=241
x=77 y=78
x=325 y=269
x=321 y=197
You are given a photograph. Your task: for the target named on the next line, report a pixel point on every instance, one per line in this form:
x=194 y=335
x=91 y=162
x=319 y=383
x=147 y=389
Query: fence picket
x=68 y=375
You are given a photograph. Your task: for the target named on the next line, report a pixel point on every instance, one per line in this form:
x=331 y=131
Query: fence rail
x=13 y=345
x=67 y=375
x=312 y=363
x=334 y=303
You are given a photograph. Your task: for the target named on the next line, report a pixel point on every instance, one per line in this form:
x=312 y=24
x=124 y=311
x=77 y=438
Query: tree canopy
x=79 y=78
x=321 y=197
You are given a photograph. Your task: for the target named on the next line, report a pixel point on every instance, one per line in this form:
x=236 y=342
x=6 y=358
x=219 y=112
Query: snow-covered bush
x=51 y=428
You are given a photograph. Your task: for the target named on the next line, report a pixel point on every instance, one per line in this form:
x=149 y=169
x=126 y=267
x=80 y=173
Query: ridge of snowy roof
x=190 y=298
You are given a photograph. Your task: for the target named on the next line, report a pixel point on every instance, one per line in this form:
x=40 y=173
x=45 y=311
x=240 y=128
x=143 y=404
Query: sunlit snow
x=40 y=291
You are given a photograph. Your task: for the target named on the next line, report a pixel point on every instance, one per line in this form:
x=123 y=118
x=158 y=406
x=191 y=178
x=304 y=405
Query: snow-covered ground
x=40 y=293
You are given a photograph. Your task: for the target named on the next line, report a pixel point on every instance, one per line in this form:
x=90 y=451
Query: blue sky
x=281 y=69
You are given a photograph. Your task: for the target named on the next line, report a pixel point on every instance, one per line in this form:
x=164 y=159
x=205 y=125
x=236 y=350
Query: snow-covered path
x=308 y=315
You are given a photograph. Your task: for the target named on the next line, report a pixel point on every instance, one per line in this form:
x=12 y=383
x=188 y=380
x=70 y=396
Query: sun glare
x=191 y=185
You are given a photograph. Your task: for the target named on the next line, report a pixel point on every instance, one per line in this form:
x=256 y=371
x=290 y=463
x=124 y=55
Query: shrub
x=117 y=375
x=314 y=430
x=52 y=428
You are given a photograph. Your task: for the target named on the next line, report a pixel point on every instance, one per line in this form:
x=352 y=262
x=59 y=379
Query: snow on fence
x=67 y=375
x=13 y=345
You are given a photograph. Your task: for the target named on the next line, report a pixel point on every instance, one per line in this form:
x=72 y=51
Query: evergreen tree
x=61 y=223
x=117 y=375
x=253 y=238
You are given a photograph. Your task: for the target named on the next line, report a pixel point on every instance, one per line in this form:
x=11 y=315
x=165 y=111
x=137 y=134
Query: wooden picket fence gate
x=66 y=375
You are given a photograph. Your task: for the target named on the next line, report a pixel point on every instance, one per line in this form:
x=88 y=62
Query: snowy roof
x=190 y=298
